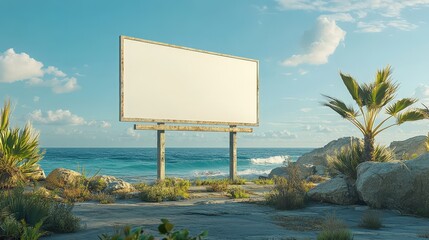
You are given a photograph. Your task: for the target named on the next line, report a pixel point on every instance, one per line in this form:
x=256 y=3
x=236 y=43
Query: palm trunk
x=368 y=147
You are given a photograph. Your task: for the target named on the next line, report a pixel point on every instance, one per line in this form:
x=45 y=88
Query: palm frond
x=383 y=75
x=353 y=87
x=340 y=107
x=4 y=116
x=400 y=105
x=409 y=116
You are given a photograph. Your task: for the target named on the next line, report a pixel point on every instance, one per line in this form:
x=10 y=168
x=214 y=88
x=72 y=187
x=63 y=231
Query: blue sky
x=59 y=63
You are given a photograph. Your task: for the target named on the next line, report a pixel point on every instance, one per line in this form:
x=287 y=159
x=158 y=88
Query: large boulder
x=410 y=148
x=61 y=177
x=305 y=171
x=37 y=175
x=110 y=185
x=338 y=190
x=319 y=158
x=400 y=185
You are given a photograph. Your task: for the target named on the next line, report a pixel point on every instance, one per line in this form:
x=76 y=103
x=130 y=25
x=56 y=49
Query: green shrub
x=19 y=151
x=288 y=193
x=29 y=213
x=334 y=229
x=61 y=219
x=316 y=179
x=347 y=160
x=28 y=207
x=218 y=187
x=104 y=198
x=237 y=192
x=266 y=181
x=31 y=233
x=209 y=181
x=169 y=189
x=371 y=220
x=165 y=229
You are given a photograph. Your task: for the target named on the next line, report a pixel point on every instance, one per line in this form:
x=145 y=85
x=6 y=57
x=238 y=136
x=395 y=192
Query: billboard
x=172 y=84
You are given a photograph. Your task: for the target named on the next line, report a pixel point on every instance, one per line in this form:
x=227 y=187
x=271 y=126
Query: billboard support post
x=161 y=152
x=233 y=155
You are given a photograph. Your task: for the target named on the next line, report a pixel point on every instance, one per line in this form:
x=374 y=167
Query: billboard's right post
x=233 y=155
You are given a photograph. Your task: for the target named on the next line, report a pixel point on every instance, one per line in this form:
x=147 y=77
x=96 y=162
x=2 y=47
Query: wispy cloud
x=21 y=67
x=57 y=117
x=422 y=93
x=384 y=13
x=132 y=133
x=319 y=43
x=283 y=134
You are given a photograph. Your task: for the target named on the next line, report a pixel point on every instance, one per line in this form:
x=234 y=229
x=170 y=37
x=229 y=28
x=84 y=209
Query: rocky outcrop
x=395 y=185
x=338 y=190
x=316 y=161
x=319 y=157
x=305 y=171
x=410 y=148
x=110 y=185
x=61 y=177
x=37 y=175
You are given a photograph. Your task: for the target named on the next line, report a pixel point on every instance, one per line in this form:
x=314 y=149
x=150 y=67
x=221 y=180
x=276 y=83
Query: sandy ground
x=225 y=218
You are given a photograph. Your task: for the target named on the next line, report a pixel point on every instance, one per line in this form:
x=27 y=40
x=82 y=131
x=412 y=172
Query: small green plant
x=334 y=229
x=32 y=233
x=265 y=181
x=237 y=192
x=19 y=151
x=169 y=189
x=316 y=179
x=347 y=160
x=165 y=229
x=61 y=219
x=104 y=198
x=209 y=181
x=218 y=187
x=288 y=193
x=371 y=220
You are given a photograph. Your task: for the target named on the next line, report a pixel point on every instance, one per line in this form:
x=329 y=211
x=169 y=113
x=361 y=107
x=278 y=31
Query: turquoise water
x=139 y=164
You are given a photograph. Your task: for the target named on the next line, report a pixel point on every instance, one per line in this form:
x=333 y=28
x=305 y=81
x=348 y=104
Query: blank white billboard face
x=164 y=83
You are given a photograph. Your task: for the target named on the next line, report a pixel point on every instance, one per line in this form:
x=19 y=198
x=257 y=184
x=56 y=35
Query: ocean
x=139 y=164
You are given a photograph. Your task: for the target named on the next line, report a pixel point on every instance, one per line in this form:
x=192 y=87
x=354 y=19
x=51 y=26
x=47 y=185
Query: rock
x=61 y=177
x=110 y=185
x=338 y=190
x=319 y=157
x=402 y=185
x=37 y=175
x=410 y=148
x=305 y=171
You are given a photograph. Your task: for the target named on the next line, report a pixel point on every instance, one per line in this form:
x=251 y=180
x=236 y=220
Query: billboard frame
x=122 y=118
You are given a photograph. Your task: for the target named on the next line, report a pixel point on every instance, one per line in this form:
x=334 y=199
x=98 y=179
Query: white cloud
x=55 y=71
x=302 y=72
x=18 y=66
x=64 y=85
x=422 y=93
x=21 y=67
x=133 y=133
x=371 y=27
x=57 y=117
x=283 y=134
x=306 y=110
x=320 y=43
x=36 y=99
x=386 y=12
x=105 y=124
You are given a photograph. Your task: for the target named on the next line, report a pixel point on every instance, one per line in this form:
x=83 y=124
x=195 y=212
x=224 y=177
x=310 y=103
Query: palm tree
x=371 y=99
x=19 y=151
x=426 y=114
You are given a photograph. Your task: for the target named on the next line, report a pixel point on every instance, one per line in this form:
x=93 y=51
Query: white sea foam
x=209 y=173
x=270 y=160
x=253 y=172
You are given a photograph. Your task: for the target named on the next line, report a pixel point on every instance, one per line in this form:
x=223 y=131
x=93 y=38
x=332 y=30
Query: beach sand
x=226 y=218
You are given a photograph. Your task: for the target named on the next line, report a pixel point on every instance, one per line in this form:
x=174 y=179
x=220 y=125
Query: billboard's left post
x=161 y=153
